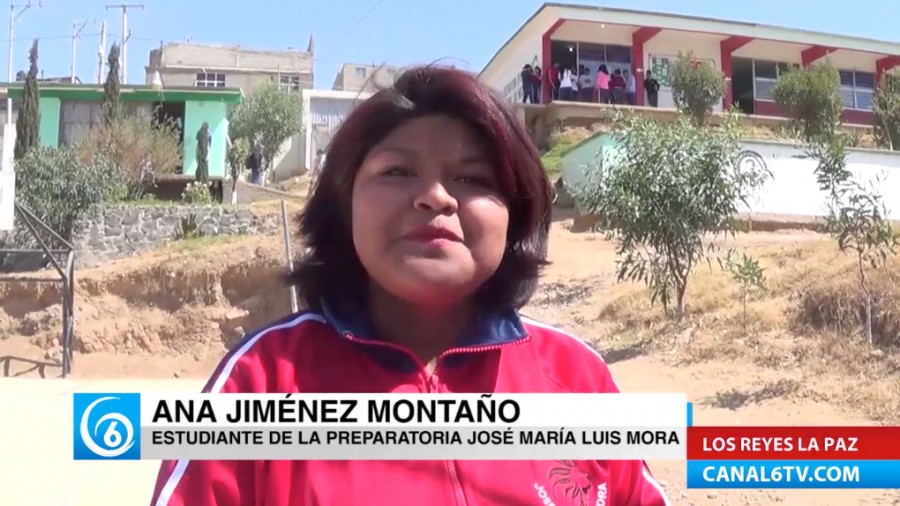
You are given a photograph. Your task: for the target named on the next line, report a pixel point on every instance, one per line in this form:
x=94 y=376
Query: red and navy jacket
x=320 y=353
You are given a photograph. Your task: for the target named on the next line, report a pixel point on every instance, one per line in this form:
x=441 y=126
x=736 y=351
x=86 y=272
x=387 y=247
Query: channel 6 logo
x=107 y=426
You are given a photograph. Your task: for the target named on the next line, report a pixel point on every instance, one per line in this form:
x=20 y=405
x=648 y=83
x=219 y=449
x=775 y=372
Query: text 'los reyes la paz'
x=780 y=444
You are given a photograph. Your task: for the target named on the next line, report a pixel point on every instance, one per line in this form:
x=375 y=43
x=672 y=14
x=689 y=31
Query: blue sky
x=382 y=31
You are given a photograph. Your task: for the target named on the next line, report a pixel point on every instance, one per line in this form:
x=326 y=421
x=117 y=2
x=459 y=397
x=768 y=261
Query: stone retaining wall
x=120 y=231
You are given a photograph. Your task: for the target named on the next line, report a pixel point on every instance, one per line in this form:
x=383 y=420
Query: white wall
x=503 y=74
x=792 y=190
x=669 y=43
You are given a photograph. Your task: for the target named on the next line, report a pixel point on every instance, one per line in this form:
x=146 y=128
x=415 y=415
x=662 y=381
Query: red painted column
x=546 y=63
x=726 y=47
x=638 y=63
x=883 y=65
x=809 y=55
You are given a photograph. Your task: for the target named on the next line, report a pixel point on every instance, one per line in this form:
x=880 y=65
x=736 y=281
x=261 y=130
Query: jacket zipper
x=431 y=387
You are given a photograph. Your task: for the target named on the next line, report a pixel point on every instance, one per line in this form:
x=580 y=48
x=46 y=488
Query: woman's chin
x=436 y=287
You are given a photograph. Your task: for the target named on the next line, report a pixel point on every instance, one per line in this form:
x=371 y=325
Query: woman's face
x=429 y=224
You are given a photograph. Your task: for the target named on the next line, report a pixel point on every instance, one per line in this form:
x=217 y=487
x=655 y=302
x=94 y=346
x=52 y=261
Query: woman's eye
x=397 y=171
x=476 y=180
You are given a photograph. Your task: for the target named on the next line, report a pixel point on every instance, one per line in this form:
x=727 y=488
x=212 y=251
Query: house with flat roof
x=69 y=111
x=751 y=56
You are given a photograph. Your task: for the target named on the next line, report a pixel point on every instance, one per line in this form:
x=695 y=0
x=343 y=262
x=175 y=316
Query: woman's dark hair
x=330 y=268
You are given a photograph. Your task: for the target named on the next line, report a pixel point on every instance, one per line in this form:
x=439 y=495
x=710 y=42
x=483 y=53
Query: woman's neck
x=425 y=331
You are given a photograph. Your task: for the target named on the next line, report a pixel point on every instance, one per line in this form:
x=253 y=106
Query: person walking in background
x=652 y=87
x=554 y=81
x=603 y=85
x=567 y=86
x=527 y=76
x=630 y=87
x=254 y=163
x=585 y=86
x=617 y=86
x=536 y=97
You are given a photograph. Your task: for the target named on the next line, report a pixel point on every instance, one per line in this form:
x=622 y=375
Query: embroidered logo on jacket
x=569 y=481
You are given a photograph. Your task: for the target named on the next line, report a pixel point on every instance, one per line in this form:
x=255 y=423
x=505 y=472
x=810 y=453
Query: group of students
x=573 y=84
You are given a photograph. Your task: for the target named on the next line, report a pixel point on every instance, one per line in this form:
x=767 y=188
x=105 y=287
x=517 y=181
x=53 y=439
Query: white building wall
x=323 y=113
x=504 y=74
x=668 y=44
x=792 y=191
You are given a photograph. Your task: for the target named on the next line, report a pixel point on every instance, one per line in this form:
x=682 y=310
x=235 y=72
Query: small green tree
x=272 y=115
x=666 y=187
x=887 y=111
x=59 y=187
x=745 y=271
x=696 y=86
x=811 y=96
x=29 y=119
x=202 y=175
x=112 y=101
x=857 y=215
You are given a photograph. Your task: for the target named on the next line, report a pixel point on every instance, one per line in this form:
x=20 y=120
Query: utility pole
x=76 y=31
x=101 y=53
x=125 y=35
x=13 y=17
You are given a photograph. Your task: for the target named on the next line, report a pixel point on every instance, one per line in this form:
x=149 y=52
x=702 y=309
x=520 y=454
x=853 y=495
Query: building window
x=361 y=72
x=765 y=74
x=289 y=83
x=857 y=89
x=209 y=80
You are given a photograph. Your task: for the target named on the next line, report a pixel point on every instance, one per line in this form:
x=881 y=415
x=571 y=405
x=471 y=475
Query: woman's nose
x=433 y=196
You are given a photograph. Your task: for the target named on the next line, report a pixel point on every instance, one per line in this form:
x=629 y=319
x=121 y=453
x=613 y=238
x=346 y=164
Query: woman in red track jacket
x=426 y=232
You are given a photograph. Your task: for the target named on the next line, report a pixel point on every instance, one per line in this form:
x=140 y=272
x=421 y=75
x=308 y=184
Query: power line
x=364 y=16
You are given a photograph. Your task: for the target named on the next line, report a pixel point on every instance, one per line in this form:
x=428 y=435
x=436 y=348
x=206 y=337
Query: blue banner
x=762 y=474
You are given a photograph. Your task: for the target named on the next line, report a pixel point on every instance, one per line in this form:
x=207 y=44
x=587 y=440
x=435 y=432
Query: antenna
x=13 y=17
x=76 y=31
x=126 y=34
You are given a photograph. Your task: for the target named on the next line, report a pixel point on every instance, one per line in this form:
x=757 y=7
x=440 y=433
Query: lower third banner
x=834 y=474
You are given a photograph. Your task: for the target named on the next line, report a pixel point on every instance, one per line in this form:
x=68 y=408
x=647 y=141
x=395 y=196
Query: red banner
x=793 y=443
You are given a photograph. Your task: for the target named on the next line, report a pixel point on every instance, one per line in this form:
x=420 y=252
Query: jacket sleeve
x=216 y=483
x=638 y=487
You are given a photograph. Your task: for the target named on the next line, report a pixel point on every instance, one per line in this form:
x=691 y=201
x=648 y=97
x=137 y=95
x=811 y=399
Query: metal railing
x=63 y=261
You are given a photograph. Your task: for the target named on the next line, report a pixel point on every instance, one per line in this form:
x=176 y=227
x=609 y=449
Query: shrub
x=665 y=189
x=197 y=193
x=142 y=148
x=696 y=86
x=58 y=187
x=811 y=96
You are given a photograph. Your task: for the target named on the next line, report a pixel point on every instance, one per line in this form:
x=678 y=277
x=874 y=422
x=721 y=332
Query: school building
x=751 y=56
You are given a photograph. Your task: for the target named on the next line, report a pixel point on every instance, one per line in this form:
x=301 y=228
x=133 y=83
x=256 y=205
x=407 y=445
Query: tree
x=272 y=115
x=112 y=101
x=29 y=119
x=887 y=110
x=202 y=174
x=666 y=187
x=857 y=215
x=696 y=86
x=812 y=98
x=59 y=187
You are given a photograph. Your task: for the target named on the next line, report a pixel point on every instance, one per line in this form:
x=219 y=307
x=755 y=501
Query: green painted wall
x=586 y=155
x=215 y=113
x=48 y=132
